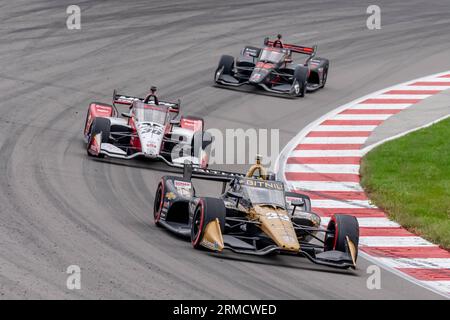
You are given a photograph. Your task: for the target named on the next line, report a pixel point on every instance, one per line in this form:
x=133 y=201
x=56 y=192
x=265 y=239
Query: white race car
x=150 y=128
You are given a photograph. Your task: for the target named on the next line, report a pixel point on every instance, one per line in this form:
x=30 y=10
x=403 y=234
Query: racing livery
x=150 y=129
x=253 y=215
x=273 y=69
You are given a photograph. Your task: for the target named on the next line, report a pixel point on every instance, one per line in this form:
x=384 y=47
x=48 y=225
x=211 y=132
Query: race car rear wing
x=311 y=51
x=128 y=100
x=190 y=172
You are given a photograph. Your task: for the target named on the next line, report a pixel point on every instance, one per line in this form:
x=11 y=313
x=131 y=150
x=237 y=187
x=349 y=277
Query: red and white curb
x=323 y=161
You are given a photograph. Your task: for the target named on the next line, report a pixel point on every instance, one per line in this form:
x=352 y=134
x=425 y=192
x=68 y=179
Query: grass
x=409 y=178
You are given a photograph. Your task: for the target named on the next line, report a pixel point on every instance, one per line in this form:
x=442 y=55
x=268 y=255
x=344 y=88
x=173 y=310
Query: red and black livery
x=274 y=69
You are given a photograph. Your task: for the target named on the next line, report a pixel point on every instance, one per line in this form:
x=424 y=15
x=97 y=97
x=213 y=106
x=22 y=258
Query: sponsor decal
x=249 y=52
x=102 y=109
x=184 y=188
x=290 y=199
x=193 y=125
x=276 y=185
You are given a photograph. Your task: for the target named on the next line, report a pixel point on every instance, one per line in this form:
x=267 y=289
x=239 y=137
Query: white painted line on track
x=404 y=96
x=335 y=140
x=377 y=106
x=347 y=204
x=344 y=128
x=361 y=117
x=394 y=241
x=326 y=186
x=427 y=263
x=380 y=222
x=410 y=87
x=326 y=153
x=323 y=168
x=442 y=286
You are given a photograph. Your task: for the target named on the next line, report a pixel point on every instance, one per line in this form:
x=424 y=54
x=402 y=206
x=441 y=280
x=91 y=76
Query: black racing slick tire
x=339 y=228
x=324 y=77
x=207 y=210
x=103 y=126
x=300 y=80
x=226 y=66
x=158 y=204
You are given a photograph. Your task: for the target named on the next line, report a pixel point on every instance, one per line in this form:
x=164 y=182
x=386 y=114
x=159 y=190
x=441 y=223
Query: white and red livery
x=149 y=129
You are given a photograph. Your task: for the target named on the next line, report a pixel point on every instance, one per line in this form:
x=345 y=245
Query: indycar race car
x=274 y=69
x=151 y=129
x=254 y=215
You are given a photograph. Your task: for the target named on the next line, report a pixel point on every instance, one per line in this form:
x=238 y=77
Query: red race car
x=274 y=69
x=150 y=129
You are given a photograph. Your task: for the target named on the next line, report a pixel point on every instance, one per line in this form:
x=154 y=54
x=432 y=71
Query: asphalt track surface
x=58 y=207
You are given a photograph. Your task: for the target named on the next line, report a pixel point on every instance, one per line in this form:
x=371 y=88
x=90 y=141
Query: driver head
x=153 y=89
x=279 y=36
x=258 y=158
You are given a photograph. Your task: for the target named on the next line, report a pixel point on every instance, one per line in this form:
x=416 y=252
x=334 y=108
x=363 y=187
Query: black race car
x=253 y=215
x=274 y=69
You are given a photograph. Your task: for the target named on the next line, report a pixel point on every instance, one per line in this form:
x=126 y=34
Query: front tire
x=324 y=77
x=158 y=204
x=207 y=210
x=300 y=81
x=339 y=228
x=99 y=125
x=226 y=65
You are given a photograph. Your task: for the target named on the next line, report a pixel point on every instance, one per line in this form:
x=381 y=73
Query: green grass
x=409 y=178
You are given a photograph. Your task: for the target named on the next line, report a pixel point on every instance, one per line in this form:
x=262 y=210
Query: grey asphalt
x=59 y=208
x=418 y=115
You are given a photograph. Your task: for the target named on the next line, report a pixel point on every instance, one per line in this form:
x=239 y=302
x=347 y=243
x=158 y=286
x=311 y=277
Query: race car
x=150 y=129
x=273 y=69
x=253 y=215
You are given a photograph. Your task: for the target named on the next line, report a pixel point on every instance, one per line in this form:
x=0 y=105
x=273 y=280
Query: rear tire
x=207 y=210
x=341 y=226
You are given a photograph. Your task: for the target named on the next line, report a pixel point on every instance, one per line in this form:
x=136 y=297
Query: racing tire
x=300 y=80
x=324 y=77
x=158 y=204
x=102 y=125
x=207 y=210
x=339 y=227
x=89 y=111
x=226 y=65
